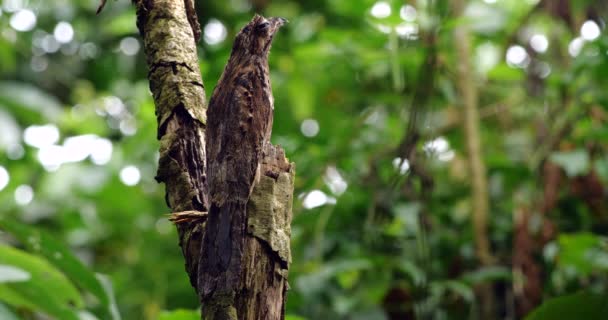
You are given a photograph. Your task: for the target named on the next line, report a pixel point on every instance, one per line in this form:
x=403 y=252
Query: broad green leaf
x=574 y=162
x=582 y=305
x=7 y=55
x=14 y=298
x=6 y=313
x=34 y=297
x=48 y=290
x=180 y=314
x=57 y=254
x=107 y=287
x=578 y=250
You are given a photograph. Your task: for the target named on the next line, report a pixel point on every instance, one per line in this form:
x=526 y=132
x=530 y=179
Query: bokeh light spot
x=129 y=46
x=64 y=33
x=215 y=32
x=590 y=30
x=41 y=136
x=130 y=175
x=23 y=20
x=4 y=178
x=539 y=43
x=381 y=9
x=310 y=128
x=24 y=194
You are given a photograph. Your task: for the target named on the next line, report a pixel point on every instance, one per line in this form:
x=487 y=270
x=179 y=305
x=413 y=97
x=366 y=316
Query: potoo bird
x=239 y=123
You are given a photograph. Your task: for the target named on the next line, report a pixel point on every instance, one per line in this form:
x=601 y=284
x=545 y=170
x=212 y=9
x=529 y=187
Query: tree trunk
x=469 y=99
x=169 y=29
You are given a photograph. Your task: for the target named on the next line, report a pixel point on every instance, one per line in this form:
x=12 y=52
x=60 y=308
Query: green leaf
x=417 y=275
x=460 y=289
x=48 y=290
x=575 y=162
x=348 y=279
x=58 y=255
x=502 y=72
x=180 y=314
x=578 y=251
x=6 y=313
x=582 y=305
x=107 y=288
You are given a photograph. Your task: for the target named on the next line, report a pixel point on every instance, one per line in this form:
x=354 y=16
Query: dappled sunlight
x=130 y=175
x=517 y=56
x=4 y=177
x=316 y=198
x=309 y=127
x=41 y=136
x=23 y=20
x=575 y=46
x=590 y=30
x=214 y=32
x=75 y=149
x=334 y=181
x=407 y=28
x=450 y=157
x=381 y=9
x=63 y=32
x=539 y=43
x=24 y=194
x=129 y=46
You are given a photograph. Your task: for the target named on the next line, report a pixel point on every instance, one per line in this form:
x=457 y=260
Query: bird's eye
x=263 y=26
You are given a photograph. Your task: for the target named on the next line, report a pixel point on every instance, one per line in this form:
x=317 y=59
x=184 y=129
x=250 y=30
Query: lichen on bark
x=169 y=29
x=269 y=209
x=179 y=98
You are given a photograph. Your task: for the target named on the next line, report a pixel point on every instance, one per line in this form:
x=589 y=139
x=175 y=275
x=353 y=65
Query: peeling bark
x=245 y=250
x=261 y=287
x=247 y=218
x=179 y=97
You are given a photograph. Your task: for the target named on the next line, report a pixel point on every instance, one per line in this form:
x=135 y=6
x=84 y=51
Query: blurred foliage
x=575 y=306
x=85 y=232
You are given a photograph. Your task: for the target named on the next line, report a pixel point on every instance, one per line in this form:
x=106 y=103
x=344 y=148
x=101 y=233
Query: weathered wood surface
x=234 y=214
x=179 y=97
x=238 y=132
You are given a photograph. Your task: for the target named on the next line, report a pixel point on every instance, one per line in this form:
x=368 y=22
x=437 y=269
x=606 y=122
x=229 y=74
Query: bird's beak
x=278 y=22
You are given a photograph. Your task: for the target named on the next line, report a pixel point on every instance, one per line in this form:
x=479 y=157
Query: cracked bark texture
x=258 y=290
x=245 y=250
x=179 y=97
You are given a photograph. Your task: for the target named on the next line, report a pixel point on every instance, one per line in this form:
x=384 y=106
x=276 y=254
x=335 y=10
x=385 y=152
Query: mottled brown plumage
x=239 y=123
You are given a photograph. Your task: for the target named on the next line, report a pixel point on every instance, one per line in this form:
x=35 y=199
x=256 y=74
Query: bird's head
x=256 y=36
